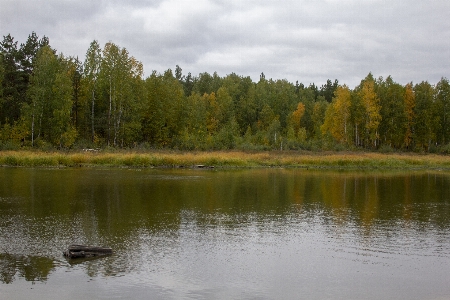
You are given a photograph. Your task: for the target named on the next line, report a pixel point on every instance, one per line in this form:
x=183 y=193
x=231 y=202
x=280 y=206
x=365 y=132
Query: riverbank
x=225 y=159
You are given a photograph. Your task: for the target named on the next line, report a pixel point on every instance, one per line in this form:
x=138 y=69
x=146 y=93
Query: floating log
x=82 y=251
x=203 y=167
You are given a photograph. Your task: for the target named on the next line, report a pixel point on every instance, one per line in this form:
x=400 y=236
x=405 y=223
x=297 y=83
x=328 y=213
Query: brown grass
x=359 y=160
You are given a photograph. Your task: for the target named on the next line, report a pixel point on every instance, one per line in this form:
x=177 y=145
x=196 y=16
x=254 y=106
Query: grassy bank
x=352 y=160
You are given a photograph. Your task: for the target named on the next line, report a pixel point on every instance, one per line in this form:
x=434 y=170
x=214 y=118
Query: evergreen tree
x=10 y=106
x=443 y=111
x=18 y=63
x=409 y=103
x=327 y=90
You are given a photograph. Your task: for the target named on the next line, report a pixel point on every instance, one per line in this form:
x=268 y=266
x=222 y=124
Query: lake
x=225 y=234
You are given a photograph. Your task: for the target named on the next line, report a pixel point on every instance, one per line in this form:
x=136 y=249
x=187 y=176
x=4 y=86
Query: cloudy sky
x=304 y=40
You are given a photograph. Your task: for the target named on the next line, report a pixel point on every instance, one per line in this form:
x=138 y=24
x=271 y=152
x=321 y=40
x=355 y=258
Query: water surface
x=225 y=234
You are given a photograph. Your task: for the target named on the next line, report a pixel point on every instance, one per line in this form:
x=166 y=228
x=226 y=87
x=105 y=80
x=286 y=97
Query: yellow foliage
x=297 y=116
x=298 y=113
x=16 y=133
x=68 y=138
x=212 y=112
x=372 y=107
x=337 y=115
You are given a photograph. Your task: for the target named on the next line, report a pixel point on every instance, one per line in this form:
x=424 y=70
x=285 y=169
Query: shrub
x=386 y=149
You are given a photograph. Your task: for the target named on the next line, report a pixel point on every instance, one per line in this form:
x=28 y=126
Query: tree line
x=48 y=100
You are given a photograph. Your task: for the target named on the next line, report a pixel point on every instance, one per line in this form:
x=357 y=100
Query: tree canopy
x=51 y=100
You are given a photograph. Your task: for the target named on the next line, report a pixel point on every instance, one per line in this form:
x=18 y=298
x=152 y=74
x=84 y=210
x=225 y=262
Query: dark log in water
x=203 y=167
x=79 y=251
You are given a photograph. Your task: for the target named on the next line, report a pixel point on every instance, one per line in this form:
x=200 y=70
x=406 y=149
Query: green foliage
x=442 y=109
x=91 y=71
x=51 y=101
x=17 y=66
x=50 y=91
x=2 y=75
x=121 y=95
x=426 y=121
x=164 y=110
x=393 y=113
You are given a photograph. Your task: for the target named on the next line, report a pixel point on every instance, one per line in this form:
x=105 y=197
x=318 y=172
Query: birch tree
x=337 y=115
x=372 y=116
x=51 y=100
x=120 y=73
x=91 y=71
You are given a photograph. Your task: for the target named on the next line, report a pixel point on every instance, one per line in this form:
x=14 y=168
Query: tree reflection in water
x=32 y=268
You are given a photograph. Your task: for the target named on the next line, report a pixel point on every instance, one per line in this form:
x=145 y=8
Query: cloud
x=305 y=40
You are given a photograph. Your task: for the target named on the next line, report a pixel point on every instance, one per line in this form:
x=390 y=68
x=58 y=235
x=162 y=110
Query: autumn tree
x=337 y=116
x=371 y=104
x=297 y=116
x=294 y=131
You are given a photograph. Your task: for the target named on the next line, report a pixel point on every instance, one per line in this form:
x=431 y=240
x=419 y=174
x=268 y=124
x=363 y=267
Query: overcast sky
x=304 y=40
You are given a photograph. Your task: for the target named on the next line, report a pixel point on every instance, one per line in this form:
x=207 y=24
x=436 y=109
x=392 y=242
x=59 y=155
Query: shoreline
x=225 y=159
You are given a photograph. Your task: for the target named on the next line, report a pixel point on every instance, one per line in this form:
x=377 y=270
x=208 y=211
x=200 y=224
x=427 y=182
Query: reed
x=224 y=159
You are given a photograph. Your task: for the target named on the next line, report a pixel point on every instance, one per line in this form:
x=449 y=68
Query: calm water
x=235 y=234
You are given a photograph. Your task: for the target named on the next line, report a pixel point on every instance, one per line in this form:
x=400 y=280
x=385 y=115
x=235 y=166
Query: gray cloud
x=309 y=41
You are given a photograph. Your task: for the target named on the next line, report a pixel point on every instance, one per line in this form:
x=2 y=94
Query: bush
x=82 y=143
x=339 y=147
x=446 y=149
x=386 y=149
x=9 y=145
x=43 y=145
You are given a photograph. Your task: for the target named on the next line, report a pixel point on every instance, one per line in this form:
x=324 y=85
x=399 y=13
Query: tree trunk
x=92 y=116
x=109 y=112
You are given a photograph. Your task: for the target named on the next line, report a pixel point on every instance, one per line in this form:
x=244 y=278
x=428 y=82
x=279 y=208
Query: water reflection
x=204 y=233
x=31 y=268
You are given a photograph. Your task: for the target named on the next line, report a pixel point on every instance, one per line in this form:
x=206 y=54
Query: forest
x=52 y=101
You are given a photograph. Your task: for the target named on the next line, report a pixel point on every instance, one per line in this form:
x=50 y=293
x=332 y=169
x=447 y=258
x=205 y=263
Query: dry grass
x=360 y=160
